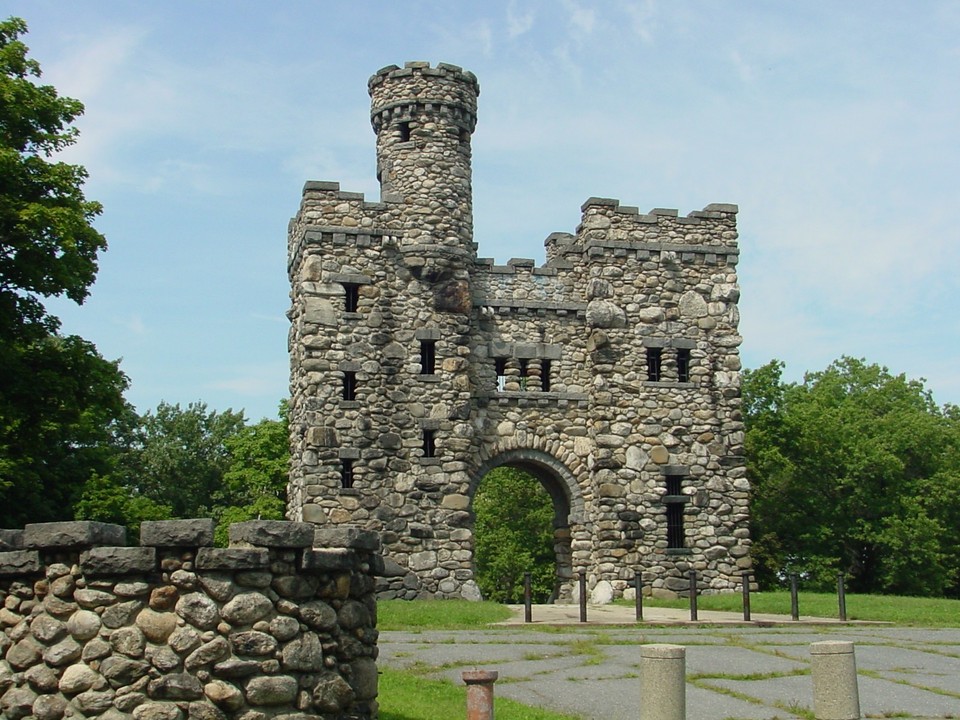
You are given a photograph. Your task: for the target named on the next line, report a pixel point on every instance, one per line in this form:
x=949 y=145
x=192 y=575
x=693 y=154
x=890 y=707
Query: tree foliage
x=62 y=412
x=513 y=534
x=854 y=471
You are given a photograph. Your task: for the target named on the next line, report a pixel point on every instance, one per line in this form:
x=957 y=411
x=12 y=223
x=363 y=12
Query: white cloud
x=519 y=22
x=581 y=19
x=642 y=16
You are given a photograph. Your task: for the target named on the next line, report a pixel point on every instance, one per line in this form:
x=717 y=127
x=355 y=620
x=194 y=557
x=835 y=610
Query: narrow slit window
x=675 y=534
x=675 y=529
x=654 y=364
x=349 y=385
x=683 y=365
x=404 y=130
x=545 y=375
x=346 y=473
x=429 y=443
x=351 y=297
x=500 y=365
x=428 y=357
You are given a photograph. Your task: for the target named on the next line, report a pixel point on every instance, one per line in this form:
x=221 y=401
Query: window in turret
x=404 y=130
x=346 y=473
x=349 y=385
x=428 y=357
x=654 y=364
x=683 y=365
x=675 y=502
x=351 y=296
x=545 y=375
x=429 y=443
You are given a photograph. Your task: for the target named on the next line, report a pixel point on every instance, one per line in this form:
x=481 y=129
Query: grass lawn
x=406 y=696
x=926 y=612
x=413 y=615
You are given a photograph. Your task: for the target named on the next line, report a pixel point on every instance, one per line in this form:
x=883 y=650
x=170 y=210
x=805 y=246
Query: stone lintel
x=323 y=560
x=349 y=453
x=428 y=334
x=272 y=533
x=195 y=532
x=349 y=278
x=77 y=534
x=674 y=470
x=118 y=560
x=346 y=537
x=209 y=558
x=19 y=562
x=11 y=539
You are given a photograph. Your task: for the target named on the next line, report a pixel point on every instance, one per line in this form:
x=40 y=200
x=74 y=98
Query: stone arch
x=568 y=506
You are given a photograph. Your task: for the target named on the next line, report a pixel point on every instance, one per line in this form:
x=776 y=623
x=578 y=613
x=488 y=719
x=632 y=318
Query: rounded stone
x=77 y=678
x=224 y=694
x=270 y=691
x=128 y=641
x=156 y=626
x=83 y=625
x=49 y=707
x=246 y=608
x=198 y=610
x=332 y=693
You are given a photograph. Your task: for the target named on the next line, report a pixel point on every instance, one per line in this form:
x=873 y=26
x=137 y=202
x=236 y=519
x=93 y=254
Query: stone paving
x=735 y=671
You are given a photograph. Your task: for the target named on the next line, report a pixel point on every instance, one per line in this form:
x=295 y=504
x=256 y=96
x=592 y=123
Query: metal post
x=693 y=596
x=794 y=602
x=638 y=587
x=583 y=596
x=842 y=597
x=746 y=596
x=527 y=601
x=479 y=693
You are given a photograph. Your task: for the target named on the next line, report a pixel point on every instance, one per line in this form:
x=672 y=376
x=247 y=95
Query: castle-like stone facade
x=611 y=373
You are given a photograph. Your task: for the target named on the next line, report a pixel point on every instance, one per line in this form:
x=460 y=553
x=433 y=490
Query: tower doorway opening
x=513 y=535
x=524 y=502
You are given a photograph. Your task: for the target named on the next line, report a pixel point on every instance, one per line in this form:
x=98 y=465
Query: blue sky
x=833 y=125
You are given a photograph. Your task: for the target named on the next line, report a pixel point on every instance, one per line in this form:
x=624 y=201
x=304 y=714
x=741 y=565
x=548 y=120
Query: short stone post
x=479 y=693
x=663 y=682
x=834 y=671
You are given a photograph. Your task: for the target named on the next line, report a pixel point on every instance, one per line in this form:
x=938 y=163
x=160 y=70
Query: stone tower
x=611 y=373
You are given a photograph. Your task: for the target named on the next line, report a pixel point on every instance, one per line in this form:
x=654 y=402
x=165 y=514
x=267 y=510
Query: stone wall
x=279 y=625
x=417 y=367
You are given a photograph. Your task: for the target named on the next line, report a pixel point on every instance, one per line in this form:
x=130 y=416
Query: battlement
x=281 y=622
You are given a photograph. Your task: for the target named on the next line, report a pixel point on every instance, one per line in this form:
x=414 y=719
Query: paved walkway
x=735 y=671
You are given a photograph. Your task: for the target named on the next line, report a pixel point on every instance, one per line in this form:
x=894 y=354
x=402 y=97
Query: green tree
x=181 y=456
x=62 y=412
x=254 y=486
x=854 y=470
x=513 y=534
x=48 y=246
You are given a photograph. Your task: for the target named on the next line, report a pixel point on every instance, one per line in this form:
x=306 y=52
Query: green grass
x=926 y=612
x=438 y=614
x=405 y=696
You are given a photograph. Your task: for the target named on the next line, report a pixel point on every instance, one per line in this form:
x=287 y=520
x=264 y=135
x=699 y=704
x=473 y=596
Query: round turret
x=424 y=118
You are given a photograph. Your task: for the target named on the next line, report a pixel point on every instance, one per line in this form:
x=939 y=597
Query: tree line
x=854 y=470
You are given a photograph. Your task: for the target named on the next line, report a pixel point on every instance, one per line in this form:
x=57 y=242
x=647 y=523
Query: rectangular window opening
x=429 y=443
x=351 y=297
x=675 y=535
x=683 y=365
x=524 y=373
x=545 y=375
x=428 y=357
x=349 y=385
x=500 y=366
x=346 y=473
x=675 y=531
x=404 y=130
x=654 y=364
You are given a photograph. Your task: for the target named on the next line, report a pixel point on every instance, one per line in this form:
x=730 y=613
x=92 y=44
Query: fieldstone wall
x=611 y=373
x=282 y=624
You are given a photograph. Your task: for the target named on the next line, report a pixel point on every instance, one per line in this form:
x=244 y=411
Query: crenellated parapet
x=280 y=623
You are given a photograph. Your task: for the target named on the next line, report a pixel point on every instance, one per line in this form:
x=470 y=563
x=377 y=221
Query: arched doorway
x=566 y=501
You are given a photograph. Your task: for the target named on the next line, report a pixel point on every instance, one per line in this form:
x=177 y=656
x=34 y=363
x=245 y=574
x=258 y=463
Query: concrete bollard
x=663 y=682
x=834 y=670
x=479 y=693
